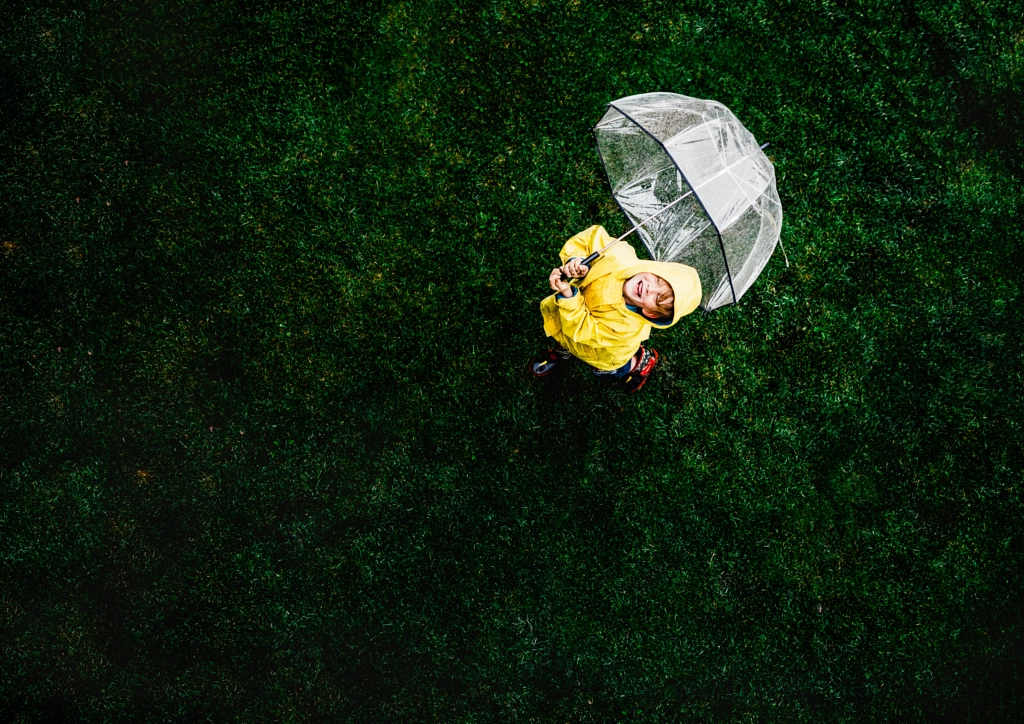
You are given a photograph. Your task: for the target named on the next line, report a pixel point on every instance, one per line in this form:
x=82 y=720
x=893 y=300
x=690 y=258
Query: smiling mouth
x=639 y=284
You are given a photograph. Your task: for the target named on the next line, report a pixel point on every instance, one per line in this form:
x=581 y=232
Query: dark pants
x=612 y=374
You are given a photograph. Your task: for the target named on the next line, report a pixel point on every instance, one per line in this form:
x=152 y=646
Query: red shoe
x=639 y=374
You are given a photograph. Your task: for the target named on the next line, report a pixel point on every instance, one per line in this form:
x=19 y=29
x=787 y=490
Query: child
x=606 y=320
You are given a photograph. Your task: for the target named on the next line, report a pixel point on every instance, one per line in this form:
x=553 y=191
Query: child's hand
x=575 y=269
x=558 y=283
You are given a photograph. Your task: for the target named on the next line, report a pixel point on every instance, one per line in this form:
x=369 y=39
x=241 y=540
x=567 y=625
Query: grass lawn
x=269 y=278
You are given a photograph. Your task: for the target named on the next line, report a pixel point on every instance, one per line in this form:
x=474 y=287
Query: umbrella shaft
x=596 y=254
x=657 y=213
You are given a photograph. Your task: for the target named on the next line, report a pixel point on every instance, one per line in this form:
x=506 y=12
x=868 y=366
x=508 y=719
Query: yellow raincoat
x=595 y=324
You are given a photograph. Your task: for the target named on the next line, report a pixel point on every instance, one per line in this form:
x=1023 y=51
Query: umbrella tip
x=765 y=145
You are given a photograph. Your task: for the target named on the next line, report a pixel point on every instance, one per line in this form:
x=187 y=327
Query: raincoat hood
x=683 y=279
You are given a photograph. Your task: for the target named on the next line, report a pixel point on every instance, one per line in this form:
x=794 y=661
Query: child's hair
x=665 y=302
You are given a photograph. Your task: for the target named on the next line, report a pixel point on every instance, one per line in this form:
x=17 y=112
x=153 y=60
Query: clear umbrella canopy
x=658 y=148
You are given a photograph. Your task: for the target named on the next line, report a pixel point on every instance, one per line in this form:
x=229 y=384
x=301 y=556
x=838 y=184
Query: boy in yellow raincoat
x=606 y=320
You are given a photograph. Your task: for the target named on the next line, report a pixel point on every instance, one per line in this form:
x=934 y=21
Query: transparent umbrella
x=696 y=187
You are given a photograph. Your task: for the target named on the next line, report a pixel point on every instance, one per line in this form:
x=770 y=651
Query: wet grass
x=270 y=277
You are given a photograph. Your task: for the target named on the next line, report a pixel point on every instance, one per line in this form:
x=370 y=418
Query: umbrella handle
x=586 y=262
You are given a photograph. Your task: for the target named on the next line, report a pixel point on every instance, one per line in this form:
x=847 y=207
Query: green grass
x=269 y=277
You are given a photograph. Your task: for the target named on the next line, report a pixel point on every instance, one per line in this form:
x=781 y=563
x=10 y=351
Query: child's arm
x=577 y=323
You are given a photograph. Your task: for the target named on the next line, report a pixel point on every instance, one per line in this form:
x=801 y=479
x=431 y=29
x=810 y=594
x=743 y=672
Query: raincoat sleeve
x=579 y=325
x=585 y=243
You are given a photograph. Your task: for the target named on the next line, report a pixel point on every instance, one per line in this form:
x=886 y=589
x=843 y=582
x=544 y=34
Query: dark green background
x=269 y=276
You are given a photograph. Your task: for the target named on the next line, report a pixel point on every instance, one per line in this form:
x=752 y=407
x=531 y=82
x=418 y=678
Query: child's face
x=643 y=291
